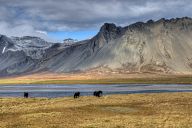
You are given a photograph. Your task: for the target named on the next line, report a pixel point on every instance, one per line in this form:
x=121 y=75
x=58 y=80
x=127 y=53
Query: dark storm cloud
x=18 y=17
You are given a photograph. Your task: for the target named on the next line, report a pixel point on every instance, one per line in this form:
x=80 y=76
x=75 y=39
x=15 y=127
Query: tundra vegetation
x=97 y=78
x=111 y=111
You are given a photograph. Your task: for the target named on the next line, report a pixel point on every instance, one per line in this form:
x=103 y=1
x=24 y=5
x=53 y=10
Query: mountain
x=69 y=41
x=20 y=55
x=163 y=46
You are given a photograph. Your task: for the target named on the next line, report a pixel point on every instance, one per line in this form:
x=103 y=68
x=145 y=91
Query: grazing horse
x=76 y=95
x=26 y=94
x=97 y=93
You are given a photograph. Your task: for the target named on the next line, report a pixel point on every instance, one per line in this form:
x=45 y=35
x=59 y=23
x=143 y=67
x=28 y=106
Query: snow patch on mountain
x=3 y=50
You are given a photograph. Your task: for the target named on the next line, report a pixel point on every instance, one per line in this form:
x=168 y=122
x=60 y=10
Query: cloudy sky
x=81 y=19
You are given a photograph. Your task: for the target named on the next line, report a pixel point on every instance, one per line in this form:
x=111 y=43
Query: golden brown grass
x=97 y=78
x=161 y=110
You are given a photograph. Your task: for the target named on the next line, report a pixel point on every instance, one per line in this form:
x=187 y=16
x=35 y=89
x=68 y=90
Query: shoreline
x=53 y=90
x=104 y=95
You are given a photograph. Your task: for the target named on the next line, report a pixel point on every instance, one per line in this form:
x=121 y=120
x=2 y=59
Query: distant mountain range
x=163 y=46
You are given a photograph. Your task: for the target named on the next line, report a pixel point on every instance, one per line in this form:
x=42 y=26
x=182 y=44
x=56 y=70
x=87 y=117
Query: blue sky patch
x=79 y=35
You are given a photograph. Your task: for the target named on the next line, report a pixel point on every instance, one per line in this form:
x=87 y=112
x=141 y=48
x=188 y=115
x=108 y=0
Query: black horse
x=97 y=93
x=76 y=94
x=26 y=94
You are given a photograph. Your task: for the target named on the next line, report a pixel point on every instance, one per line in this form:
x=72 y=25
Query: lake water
x=55 y=90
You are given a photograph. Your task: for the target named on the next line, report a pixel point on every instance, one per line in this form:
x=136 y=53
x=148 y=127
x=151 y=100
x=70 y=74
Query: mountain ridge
x=163 y=46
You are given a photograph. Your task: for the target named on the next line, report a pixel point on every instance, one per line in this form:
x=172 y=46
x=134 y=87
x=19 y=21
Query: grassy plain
x=161 y=110
x=97 y=78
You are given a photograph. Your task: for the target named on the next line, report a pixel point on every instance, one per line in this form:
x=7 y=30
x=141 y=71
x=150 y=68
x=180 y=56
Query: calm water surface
x=54 y=90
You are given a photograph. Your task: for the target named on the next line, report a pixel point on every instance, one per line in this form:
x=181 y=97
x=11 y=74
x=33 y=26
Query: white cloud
x=22 y=30
x=36 y=17
x=41 y=32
